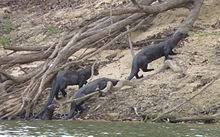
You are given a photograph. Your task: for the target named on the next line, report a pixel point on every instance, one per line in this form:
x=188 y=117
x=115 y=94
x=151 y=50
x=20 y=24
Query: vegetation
x=52 y=30
x=5 y=41
x=6 y=26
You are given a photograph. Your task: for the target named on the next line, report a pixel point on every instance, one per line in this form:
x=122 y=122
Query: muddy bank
x=198 y=55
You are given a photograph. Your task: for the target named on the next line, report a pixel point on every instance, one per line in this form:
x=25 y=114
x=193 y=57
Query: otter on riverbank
x=90 y=87
x=153 y=52
x=48 y=114
x=68 y=77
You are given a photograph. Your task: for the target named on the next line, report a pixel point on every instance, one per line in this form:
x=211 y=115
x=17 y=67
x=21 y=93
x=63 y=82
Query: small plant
x=7 y=26
x=5 y=41
x=52 y=30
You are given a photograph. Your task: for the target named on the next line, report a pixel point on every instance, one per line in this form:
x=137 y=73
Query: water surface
x=106 y=129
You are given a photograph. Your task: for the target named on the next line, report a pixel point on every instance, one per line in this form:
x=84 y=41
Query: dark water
x=105 y=129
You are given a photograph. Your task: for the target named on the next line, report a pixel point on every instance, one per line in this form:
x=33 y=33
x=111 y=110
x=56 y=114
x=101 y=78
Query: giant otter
x=90 y=87
x=153 y=52
x=65 y=78
x=48 y=114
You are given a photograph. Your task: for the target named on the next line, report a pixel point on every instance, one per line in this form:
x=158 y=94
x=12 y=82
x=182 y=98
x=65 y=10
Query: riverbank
x=198 y=56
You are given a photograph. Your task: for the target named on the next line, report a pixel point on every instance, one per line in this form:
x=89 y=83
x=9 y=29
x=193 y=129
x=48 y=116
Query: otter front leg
x=167 y=51
x=82 y=81
x=57 y=97
x=80 y=109
x=63 y=86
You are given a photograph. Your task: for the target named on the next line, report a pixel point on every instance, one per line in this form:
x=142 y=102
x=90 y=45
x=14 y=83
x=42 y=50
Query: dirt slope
x=199 y=56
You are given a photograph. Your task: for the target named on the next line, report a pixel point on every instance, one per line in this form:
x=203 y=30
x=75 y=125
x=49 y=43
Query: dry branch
x=26 y=48
x=93 y=69
x=147 y=9
x=189 y=21
x=109 y=87
x=119 y=36
x=24 y=58
x=81 y=98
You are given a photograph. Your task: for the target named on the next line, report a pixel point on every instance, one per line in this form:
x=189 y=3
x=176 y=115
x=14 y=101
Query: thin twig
x=129 y=42
x=93 y=69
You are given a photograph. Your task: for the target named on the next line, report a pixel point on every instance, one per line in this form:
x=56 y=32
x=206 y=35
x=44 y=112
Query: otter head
x=53 y=106
x=180 y=35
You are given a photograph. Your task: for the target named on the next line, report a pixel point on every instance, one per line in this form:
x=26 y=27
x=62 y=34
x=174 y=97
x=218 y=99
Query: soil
x=199 y=56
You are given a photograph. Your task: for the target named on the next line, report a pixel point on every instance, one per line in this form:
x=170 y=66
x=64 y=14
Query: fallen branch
x=72 y=99
x=109 y=87
x=24 y=58
x=81 y=98
x=118 y=37
x=5 y=85
x=26 y=48
x=146 y=9
x=8 y=76
x=189 y=21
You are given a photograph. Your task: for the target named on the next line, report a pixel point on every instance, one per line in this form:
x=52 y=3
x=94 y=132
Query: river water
x=106 y=129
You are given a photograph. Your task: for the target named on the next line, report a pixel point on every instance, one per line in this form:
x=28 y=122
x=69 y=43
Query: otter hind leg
x=57 y=96
x=134 y=73
x=138 y=77
x=63 y=92
x=73 y=108
x=145 y=69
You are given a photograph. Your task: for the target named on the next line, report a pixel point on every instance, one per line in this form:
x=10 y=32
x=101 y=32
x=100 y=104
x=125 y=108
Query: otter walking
x=153 y=52
x=91 y=87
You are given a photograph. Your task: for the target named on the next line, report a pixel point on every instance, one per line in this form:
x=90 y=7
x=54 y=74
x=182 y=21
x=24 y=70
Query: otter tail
x=50 y=99
x=53 y=92
x=134 y=69
x=72 y=112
